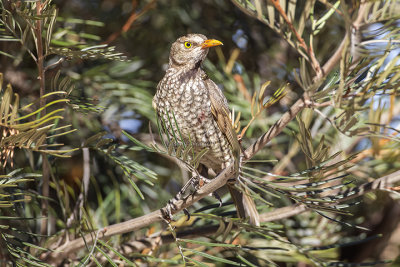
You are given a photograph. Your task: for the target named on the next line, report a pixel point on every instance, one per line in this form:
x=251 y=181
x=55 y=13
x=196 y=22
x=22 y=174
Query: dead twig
x=42 y=90
x=314 y=62
x=129 y=22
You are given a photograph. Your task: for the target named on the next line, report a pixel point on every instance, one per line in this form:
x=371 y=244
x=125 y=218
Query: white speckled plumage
x=185 y=92
x=201 y=112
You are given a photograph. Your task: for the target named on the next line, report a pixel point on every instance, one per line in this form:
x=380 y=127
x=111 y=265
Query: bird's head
x=190 y=50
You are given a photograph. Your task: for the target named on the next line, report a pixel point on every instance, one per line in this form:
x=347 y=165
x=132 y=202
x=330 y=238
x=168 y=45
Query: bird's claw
x=197 y=181
x=187 y=214
x=167 y=211
x=214 y=194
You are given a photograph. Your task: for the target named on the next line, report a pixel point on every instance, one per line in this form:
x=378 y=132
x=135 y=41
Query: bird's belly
x=193 y=122
x=185 y=107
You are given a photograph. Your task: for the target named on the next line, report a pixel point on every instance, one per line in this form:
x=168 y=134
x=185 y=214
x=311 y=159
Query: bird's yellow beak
x=210 y=43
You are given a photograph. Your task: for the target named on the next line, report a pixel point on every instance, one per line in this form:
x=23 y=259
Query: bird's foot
x=187 y=214
x=192 y=181
x=197 y=181
x=167 y=210
x=214 y=194
x=171 y=205
x=203 y=181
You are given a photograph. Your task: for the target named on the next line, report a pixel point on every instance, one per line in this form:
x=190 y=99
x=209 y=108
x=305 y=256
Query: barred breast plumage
x=185 y=95
x=192 y=106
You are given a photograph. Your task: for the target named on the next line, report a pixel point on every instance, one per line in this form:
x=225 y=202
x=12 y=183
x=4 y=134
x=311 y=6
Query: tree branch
x=384 y=183
x=132 y=18
x=134 y=224
x=41 y=78
x=301 y=103
x=276 y=128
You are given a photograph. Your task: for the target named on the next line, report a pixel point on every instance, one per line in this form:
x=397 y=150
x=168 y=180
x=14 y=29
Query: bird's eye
x=188 y=45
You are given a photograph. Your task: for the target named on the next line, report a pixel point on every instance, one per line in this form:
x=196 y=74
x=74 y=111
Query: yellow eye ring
x=188 y=45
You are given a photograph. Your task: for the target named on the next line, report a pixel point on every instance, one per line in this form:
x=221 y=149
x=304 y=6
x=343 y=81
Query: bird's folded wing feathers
x=245 y=206
x=220 y=111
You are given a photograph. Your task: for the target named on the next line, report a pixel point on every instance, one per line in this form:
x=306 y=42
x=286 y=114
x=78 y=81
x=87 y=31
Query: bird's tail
x=245 y=205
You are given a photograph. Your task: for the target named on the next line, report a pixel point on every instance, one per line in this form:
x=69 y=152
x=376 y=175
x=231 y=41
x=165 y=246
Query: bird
x=189 y=102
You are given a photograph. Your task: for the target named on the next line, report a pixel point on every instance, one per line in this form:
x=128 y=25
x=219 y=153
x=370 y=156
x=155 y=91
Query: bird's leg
x=203 y=181
x=186 y=186
x=171 y=205
x=167 y=211
x=197 y=181
x=193 y=181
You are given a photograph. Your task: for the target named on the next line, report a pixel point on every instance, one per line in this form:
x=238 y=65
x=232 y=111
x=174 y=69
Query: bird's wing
x=245 y=205
x=220 y=111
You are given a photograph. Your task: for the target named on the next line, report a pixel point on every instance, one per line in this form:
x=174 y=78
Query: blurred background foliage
x=103 y=60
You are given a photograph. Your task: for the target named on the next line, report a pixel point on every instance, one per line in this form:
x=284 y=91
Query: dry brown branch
x=314 y=62
x=132 y=18
x=276 y=128
x=383 y=183
x=41 y=78
x=132 y=225
x=158 y=239
x=301 y=103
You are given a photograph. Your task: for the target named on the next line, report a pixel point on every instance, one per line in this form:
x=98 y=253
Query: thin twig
x=85 y=185
x=132 y=18
x=93 y=247
x=276 y=128
x=41 y=78
x=55 y=64
x=314 y=62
